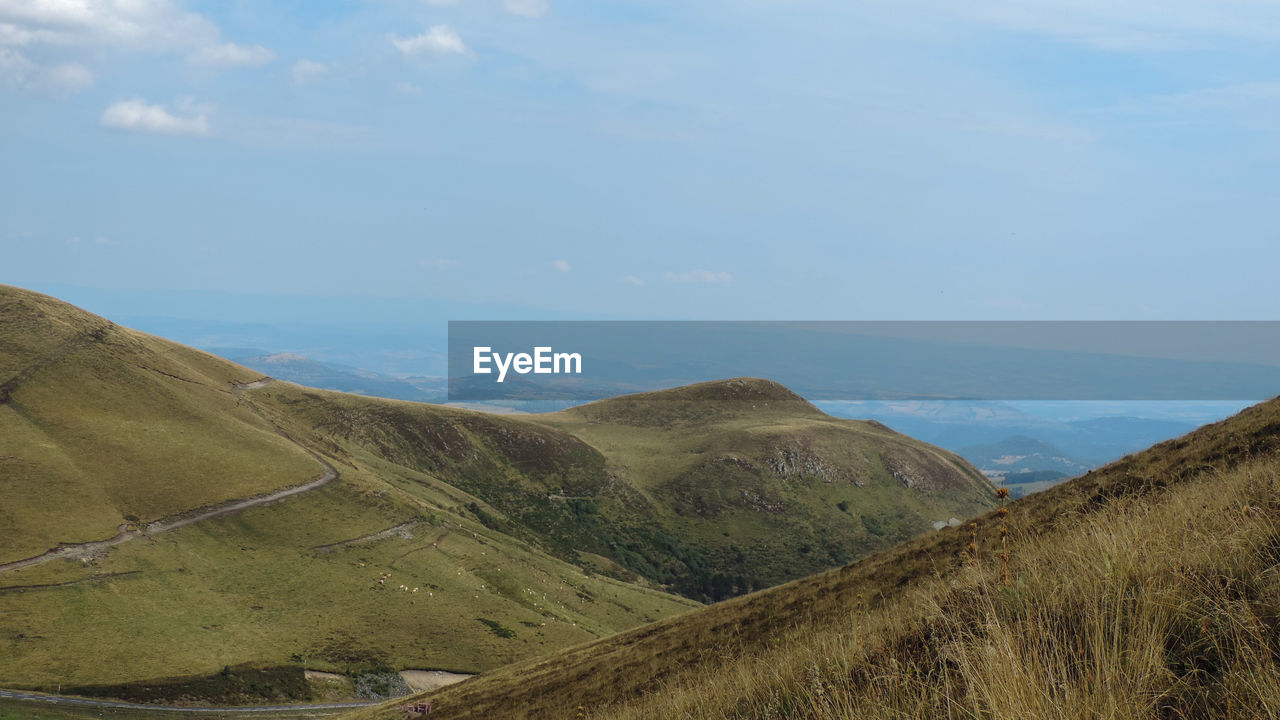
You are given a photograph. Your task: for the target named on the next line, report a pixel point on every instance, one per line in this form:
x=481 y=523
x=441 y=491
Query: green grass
x=750 y=478
x=96 y=429
x=246 y=588
x=1145 y=589
x=11 y=709
x=709 y=491
x=558 y=529
x=105 y=433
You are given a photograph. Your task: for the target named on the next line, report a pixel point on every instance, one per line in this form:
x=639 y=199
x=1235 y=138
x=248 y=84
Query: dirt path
x=125 y=533
x=420 y=681
x=404 y=530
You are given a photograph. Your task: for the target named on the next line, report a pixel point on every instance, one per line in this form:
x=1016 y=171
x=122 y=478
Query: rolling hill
x=1145 y=589
x=1022 y=454
x=170 y=516
x=161 y=522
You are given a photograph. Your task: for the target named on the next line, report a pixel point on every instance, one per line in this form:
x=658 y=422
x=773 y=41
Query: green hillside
x=172 y=515
x=760 y=487
x=102 y=427
x=1146 y=589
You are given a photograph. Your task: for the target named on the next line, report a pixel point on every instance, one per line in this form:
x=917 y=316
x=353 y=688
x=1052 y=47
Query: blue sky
x=758 y=159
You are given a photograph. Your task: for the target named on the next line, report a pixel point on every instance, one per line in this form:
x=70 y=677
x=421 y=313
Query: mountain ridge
x=453 y=539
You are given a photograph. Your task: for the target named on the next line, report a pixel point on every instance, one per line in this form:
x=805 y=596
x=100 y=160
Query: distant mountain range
x=1021 y=454
x=963 y=424
x=332 y=376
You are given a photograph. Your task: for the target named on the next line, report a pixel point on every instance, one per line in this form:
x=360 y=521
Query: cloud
x=560 y=266
x=15 y=68
x=633 y=280
x=135 y=24
x=68 y=77
x=438 y=40
x=305 y=71
x=407 y=88
x=230 y=55
x=189 y=117
x=66 y=29
x=1137 y=25
x=704 y=277
x=528 y=8
x=1253 y=105
x=75 y=241
x=19 y=73
x=440 y=264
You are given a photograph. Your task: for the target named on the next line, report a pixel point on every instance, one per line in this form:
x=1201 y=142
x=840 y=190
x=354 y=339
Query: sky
x=755 y=159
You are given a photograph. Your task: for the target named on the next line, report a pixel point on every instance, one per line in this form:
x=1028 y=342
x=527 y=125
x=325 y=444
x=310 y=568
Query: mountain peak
x=698 y=402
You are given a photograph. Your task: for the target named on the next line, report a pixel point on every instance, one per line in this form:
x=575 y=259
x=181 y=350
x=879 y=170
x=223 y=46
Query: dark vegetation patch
x=652 y=657
x=498 y=628
x=233 y=685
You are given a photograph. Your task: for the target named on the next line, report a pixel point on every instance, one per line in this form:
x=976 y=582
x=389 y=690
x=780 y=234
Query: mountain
x=1021 y=454
x=170 y=516
x=1145 y=589
x=160 y=521
x=959 y=424
x=758 y=486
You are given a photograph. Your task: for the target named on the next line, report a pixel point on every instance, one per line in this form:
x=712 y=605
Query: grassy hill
x=760 y=487
x=1021 y=454
x=102 y=427
x=169 y=514
x=1146 y=589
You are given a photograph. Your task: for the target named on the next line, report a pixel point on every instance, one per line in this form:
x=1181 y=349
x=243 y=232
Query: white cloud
x=69 y=77
x=305 y=71
x=560 y=266
x=633 y=280
x=438 y=40
x=19 y=73
x=15 y=68
x=69 y=30
x=440 y=264
x=230 y=55
x=1253 y=105
x=705 y=277
x=187 y=118
x=528 y=8
x=143 y=24
x=1136 y=25
x=407 y=88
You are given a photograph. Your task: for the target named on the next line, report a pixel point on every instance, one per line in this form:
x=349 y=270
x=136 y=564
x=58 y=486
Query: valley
x=173 y=521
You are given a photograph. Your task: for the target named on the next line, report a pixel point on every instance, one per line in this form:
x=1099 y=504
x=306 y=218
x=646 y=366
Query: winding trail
x=68 y=700
x=125 y=533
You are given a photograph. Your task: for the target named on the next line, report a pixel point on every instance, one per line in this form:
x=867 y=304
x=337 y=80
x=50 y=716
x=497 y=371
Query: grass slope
x=1148 y=588
x=760 y=486
x=520 y=535
x=710 y=490
x=101 y=426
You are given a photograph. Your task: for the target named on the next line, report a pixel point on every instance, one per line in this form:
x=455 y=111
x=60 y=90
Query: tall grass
x=1161 y=606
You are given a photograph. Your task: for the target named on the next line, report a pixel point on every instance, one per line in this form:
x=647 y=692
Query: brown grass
x=1146 y=589
x=1162 y=607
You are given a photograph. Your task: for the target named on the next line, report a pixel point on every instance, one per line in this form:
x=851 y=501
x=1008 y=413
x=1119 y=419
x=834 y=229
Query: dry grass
x=1145 y=589
x=1163 y=607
